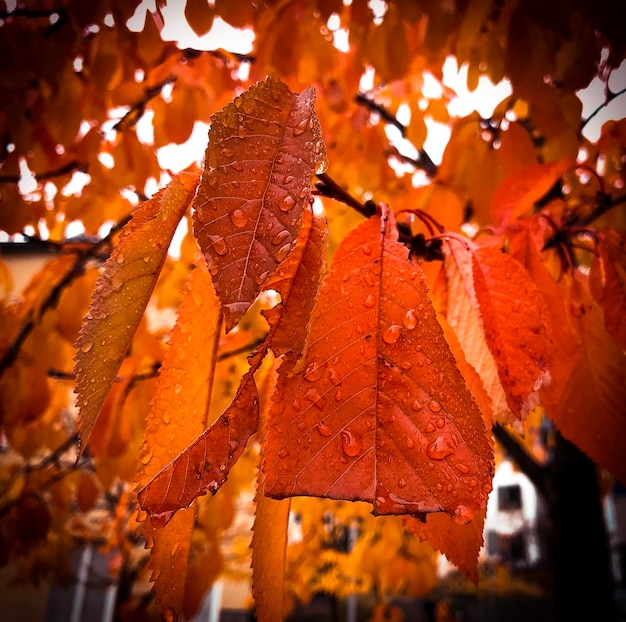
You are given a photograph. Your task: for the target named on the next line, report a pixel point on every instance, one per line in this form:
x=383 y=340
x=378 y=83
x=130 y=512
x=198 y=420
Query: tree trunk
x=583 y=583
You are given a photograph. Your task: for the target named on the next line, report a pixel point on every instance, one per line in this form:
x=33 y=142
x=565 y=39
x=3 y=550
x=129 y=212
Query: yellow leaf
x=122 y=293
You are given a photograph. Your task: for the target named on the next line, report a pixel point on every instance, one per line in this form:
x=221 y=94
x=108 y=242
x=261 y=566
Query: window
x=509 y=498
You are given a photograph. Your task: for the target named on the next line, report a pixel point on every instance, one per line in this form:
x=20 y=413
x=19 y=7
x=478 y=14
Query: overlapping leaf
x=378 y=412
x=263 y=151
x=516 y=326
x=464 y=317
x=590 y=409
x=205 y=464
x=178 y=415
x=122 y=293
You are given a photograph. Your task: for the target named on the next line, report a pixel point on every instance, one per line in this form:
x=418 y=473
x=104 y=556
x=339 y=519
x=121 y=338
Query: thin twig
x=610 y=96
x=70 y=167
x=326 y=186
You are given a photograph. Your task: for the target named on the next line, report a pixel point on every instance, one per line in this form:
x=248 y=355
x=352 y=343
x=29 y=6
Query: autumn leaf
x=464 y=317
x=519 y=191
x=590 y=409
x=297 y=282
x=516 y=325
x=263 y=151
x=178 y=415
x=378 y=412
x=608 y=283
x=121 y=295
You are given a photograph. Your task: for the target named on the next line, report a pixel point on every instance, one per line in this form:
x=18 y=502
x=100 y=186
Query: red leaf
x=516 y=324
x=263 y=150
x=378 y=411
x=608 y=282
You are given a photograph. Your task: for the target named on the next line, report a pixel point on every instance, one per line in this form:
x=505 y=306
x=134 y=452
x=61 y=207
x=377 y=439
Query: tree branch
x=82 y=258
x=610 y=96
x=423 y=161
x=326 y=186
x=70 y=167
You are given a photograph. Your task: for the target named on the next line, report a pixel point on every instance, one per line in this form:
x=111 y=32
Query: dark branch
x=51 y=300
x=137 y=109
x=326 y=186
x=423 y=160
x=610 y=96
x=70 y=167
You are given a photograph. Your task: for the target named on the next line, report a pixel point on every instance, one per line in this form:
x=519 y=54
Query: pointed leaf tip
x=121 y=295
x=264 y=149
x=379 y=412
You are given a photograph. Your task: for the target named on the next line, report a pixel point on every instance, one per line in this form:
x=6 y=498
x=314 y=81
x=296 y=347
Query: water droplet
x=296 y=404
x=301 y=127
x=338 y=395
x=241 y=131
x=289 y=179
x=86 y=347
x=463 y=514
x=283 y=251
x=409 y=320
x=166 y=418
x=416 y=405
x=401 y=483
x=227 y=153
x=146 y=457
x=439 y=487
x=301 y=425
x=473 y=483
x=462 y=467
x=262 y=277
x=439 y=449
x=406 y=365
x=274 y=90
x=283 y=453
x=218 y=244
x=351 y=443
x=410 y=443
x=280 y=237
x=178 y=388
x=392 y=334
x=434 y=406
x=286 y=203
x=313 y=372
x=323 y=429
x=367 y=249
x=369 y=301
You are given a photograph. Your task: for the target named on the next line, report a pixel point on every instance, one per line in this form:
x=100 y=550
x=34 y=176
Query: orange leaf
x=608 y=282
x=121 y=295
x=590 y=410
x=205 y=464
x=464 y=317
x=269 y=552
x=381 y=412
x=516 y=324
x=263 y=151
x=297 y=283
x=459 y=543
x=519 y=191
x=177 y=417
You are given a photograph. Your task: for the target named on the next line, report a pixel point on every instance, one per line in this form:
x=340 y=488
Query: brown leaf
x=379 y=411
x=121 y=295
x=263 y=151
x=516 y=324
